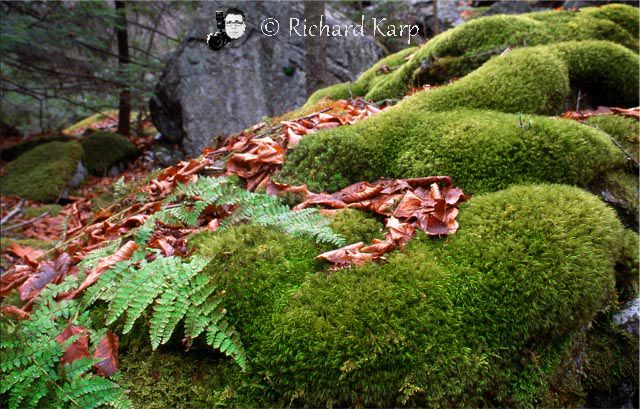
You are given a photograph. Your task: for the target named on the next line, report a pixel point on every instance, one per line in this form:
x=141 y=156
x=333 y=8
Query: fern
x=194 y=198
x=171 y=290
x=32 y=376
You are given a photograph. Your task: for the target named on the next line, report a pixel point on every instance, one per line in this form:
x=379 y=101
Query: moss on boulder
x=620 y=14
x=607 y=72
x=523 y=80
x=12 y=152
x=610 y=366
x=42 y=173
x=255 y=266
x=481 y=38
x=460 y=322
x=481 y=150
x=173 y=379
x=103 y=150
x=624 y=130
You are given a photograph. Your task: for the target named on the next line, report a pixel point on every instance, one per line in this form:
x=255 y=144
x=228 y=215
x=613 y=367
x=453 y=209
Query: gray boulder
x=629 y=317
x=204 y=95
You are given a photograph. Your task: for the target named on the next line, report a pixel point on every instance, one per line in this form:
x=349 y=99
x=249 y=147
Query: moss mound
x=481 y=150
x=620 y=14
x=102 y=150
x=12 y=152
x=624 y=130
x=481 y=38
x=523 y=80
x=607 y=72
x=255 y=266
x=456 y=322
x=42 y=173
x=534 y=80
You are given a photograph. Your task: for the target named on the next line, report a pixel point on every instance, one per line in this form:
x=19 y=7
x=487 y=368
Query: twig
x=24 y=223
x=619 y=145
x=15 y=211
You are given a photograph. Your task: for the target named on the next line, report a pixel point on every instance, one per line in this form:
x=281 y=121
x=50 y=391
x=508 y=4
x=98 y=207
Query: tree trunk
x=316 y=55
x=436 y=20
x=124 y=108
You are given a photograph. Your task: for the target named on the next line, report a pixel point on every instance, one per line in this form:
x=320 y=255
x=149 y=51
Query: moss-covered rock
x=173 y=379
x=607 y=72
x=481 y=150
x=624 y=130
x=461 y=322
x=620 y=14
x=533 y=79
x=620 y=189
x=255 y=266
x=610 y=367
x=627 y=268
x=478 y=39
x=361 y=86
x=42 y=173
x=12 y=152
x=523 y=80
x=102 y=150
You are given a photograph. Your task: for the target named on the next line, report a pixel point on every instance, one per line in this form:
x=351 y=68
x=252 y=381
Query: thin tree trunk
x=436 y=20
x=124 y=109
x=316 y=55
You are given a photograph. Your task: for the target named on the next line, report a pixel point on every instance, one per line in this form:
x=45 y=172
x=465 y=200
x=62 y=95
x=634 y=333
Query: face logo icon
x=234 y=23
x=231 y=26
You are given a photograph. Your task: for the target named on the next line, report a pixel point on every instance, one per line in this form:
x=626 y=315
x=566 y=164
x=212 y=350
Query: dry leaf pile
x=601 y=110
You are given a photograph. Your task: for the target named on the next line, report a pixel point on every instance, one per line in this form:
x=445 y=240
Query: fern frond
x=31 y=372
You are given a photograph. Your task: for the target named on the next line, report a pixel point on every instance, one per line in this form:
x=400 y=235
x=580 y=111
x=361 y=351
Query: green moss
x=455 y=322
x=479 y=38
x=53 y=210
x=42 y=173
x=337 y=91
x=579 y=26
x=624 y=130
x=535 y=79
x=102 y=150
x=12 y=152
x=356 y=226
x=35 y=243
x=255 y=266
x=627 y=284
x=607 y=72
x=172 y=379
x=621 y=189
x=623 y=15
x=481 y=150
x=611 y=366
x=523 y=80
x=443 y=69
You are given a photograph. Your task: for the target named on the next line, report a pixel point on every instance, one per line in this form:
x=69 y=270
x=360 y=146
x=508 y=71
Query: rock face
x=629 y=317
x=205 y=95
